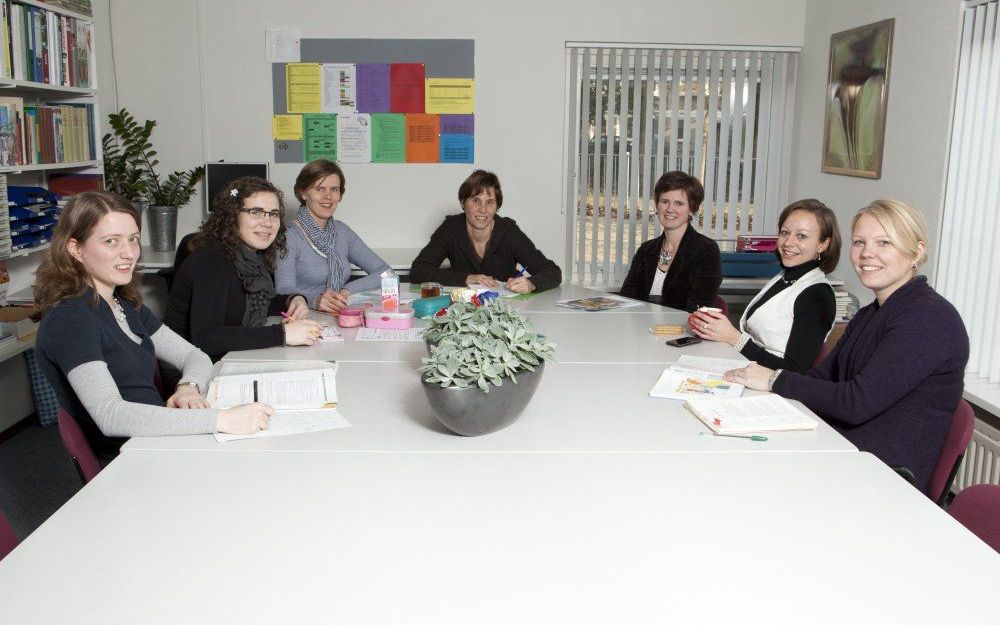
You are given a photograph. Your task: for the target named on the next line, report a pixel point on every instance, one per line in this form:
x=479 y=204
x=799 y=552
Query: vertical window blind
x=721 y=115
x=967 y=264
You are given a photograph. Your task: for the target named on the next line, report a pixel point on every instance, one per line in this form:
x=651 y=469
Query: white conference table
x=580 y=337
x=577 y=407
x=285 y=537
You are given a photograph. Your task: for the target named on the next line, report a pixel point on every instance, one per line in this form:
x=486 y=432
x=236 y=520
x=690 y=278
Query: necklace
x=118 y=310
x=786 y=280
x=665 y=257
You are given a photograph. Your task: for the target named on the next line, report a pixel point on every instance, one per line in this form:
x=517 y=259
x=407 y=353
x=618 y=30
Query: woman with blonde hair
x=895 y=378
x=98 y=344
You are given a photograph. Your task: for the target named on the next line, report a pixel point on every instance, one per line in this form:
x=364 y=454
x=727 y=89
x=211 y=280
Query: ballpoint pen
x=753 y=437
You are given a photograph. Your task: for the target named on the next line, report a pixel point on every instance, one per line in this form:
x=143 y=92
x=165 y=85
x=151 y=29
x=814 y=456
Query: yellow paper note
x=286 y=127
x=304 y=87
x=448 y=95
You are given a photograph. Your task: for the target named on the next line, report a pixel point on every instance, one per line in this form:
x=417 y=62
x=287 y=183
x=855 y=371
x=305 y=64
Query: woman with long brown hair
x=224 y=292
x=98 y=344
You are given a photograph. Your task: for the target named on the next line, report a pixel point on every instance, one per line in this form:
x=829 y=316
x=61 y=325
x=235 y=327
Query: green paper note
x=319 y=136
x=388 y=138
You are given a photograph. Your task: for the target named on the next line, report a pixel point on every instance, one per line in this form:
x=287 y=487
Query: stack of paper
x=303 y=394
x=695 y=376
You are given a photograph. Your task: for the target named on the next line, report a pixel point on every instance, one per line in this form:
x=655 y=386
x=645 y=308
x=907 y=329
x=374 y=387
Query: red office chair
x=718 y=302
x=77 y=446
x=8 y=539
x=951 y=454
x=978 y=508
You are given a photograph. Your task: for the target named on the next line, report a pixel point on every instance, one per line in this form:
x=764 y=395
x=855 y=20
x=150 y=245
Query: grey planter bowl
x=471 y=412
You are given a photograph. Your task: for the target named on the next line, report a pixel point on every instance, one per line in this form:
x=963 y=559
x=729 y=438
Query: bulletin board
x=376 y=101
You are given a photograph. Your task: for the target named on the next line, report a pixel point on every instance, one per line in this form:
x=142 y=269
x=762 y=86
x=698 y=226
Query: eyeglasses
x=260 y=213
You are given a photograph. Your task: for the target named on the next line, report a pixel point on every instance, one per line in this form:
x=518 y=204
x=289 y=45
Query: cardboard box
x=16 y=320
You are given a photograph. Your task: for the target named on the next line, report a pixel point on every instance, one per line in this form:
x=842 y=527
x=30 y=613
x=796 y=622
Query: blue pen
x=520 y=272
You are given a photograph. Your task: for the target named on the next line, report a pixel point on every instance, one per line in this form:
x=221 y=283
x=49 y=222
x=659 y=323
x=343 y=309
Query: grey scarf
x=323 y=242
x=258 y=285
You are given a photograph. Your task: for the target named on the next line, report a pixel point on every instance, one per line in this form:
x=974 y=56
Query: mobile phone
x=683 y=341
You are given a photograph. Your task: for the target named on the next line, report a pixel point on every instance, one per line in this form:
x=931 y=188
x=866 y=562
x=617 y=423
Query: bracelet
x=774 y=378
x=195 y=385
x=742 y=342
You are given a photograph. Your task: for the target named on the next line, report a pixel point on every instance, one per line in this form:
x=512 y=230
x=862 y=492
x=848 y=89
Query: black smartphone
x=684 y=341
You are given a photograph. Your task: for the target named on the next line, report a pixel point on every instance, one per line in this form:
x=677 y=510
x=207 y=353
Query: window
x=967 y=263
x=723 y=116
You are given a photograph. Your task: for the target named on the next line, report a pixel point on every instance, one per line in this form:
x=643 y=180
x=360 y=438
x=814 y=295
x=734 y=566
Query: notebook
x=693 y=376
x=744 y=415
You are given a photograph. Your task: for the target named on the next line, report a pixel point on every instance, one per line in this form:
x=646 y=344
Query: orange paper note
x=422 y=138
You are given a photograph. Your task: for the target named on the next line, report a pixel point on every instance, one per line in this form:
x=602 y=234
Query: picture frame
x=856 y=99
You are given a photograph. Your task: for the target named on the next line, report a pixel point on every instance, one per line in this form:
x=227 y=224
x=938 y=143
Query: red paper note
x=406 y=87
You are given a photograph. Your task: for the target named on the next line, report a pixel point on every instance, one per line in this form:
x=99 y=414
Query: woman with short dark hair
x=482 y=248
x=681 y=268
x=785 y=325
x=321 y=249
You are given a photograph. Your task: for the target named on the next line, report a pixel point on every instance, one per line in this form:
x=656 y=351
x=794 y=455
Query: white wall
x=923 y=68
x=211 y=92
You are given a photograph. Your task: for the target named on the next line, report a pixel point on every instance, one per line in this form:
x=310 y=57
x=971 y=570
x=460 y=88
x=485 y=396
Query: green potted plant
x=484 y=366
x=130 y=170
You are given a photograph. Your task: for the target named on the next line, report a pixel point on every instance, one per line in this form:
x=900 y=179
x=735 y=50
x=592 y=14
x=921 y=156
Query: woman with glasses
x=321 y=249
x=223 y=294
x=484 y=249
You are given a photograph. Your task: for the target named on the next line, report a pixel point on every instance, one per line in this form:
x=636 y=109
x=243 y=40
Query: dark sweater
x=206 y=307
x=815 y=310
x=892 y=383
x=507 y=247
x=77 y=331
x=692 y=280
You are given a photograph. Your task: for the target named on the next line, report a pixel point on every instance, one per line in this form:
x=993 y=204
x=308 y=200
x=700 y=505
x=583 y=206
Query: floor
x=36 y=477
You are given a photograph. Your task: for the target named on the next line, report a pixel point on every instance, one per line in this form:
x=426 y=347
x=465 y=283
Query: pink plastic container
x=399 y=319
x=351 y=317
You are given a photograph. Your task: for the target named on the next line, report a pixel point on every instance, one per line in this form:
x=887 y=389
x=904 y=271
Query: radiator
x=981 y=464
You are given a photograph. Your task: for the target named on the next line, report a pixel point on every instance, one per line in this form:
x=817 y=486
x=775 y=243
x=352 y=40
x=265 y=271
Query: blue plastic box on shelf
x=749 y=264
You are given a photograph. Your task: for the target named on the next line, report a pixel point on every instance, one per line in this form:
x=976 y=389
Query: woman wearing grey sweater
x=321 y=249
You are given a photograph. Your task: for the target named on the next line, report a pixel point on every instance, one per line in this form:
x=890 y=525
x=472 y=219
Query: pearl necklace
x=118 y=311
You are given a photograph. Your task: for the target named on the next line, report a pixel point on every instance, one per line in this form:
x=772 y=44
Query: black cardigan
x=507 y=247
x=207 y=303
x=693 y=278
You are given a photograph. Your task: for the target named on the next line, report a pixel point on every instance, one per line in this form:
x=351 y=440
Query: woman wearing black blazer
x=681 y=268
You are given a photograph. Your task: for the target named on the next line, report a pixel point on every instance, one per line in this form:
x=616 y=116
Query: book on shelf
x=695 y=376
x=44 y=46
x=747 y=415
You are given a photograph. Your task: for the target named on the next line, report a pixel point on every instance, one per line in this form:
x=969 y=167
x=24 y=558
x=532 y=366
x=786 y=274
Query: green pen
x=753 y=437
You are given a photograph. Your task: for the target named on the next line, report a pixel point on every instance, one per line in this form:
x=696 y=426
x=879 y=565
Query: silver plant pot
x=471 y=412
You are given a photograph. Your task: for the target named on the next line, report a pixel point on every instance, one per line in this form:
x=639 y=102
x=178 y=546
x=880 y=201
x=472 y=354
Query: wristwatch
x=192 y=384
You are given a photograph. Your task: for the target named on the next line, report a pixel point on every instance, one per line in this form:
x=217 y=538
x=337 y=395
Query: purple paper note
x=373 y=87
x=457 y=125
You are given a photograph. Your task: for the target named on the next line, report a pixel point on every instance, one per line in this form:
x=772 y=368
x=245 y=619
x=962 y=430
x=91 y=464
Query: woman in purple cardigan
x=894 y=379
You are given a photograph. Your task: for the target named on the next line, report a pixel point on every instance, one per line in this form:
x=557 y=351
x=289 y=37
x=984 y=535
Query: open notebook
x=303 y=394
x=745 y=415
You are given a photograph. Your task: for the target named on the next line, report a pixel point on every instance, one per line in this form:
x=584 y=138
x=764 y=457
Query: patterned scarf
x=258 y=285
x=322 y=242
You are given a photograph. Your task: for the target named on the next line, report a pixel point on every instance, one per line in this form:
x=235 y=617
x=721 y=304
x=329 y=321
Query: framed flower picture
x=856 y=96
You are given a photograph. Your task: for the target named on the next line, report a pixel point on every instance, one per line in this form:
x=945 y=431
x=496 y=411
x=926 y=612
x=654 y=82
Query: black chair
x=180 y=255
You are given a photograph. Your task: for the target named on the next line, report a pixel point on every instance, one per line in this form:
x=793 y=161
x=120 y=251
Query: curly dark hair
x=221 y=227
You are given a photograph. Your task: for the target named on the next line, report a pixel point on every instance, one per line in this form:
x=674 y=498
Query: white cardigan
x=771 y=324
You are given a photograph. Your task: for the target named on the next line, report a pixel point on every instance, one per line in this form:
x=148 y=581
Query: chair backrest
x=951 y=454
x=77 y=446
x=978 y=508
x=721 y=304
x=8 y=539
